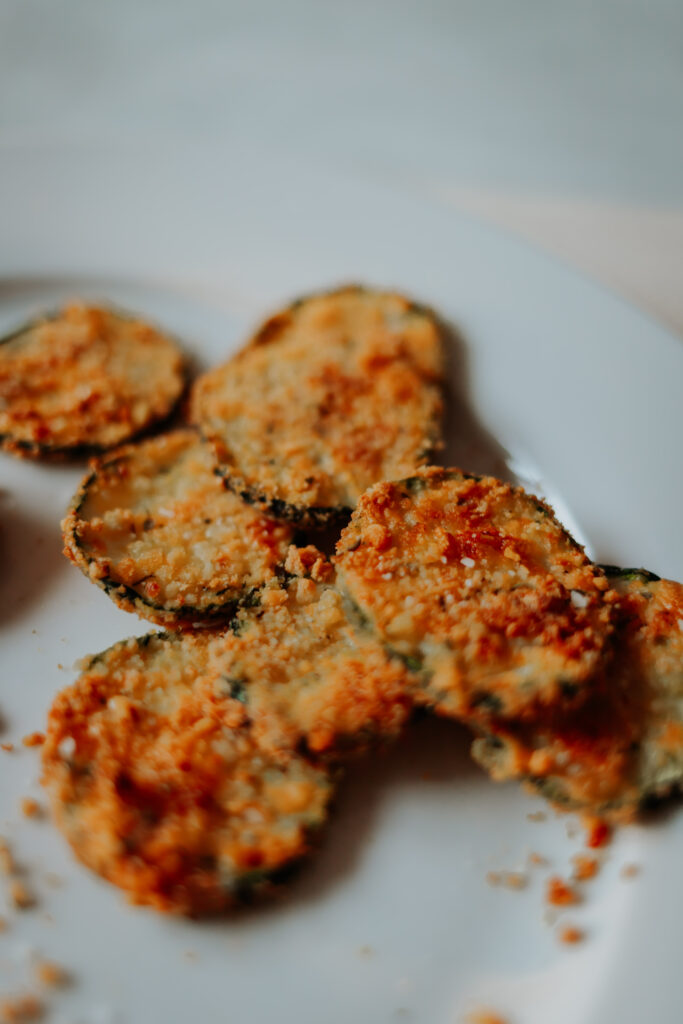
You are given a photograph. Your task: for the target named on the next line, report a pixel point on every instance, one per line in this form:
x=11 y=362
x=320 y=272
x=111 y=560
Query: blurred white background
x=562 y=122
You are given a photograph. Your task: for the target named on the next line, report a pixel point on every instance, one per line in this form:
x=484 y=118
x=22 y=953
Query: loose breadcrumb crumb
x=537 y=816
x=7 y=866
x=30 y=808
x=598 y=833
x=484 y=1017
x=34 y=739
x=3 y=924
x=559 y=894
x=54 y=881
x=20 y=1009
x=21 y=897
x=52 y=974
x=513 y=880
x=585 y=867
x=366 y=952
x=9 y=747
x=630 y=871
x=508 y=879
x=570 y=935
x=537 y=860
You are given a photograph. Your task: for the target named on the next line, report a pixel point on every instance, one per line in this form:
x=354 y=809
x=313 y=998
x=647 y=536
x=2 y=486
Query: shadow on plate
x=30 y=559
x=433 y=753
x=468 y=444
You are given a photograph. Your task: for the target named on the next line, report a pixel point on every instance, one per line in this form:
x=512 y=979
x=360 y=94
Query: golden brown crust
x=87 y=378
x=154 y=527
x=479 y=588
x=333 y=394
x=625 y=745
x=170 y=787
x=335 y=687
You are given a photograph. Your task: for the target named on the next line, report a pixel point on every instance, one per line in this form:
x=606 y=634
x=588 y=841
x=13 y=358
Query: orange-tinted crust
x=480 y=589
x=87 y=378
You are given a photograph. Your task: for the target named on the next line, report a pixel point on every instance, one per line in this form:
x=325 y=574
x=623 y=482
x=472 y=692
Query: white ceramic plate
x=394 y=921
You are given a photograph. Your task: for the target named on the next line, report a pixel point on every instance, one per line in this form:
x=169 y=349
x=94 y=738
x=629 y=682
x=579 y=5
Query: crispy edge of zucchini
x=127 y=597
x=311 y=517
x=270 y=329
x=38 y=450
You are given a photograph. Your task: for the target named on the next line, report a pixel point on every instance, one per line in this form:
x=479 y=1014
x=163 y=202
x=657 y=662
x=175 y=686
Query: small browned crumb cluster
x=34 y=739
x=30 y=808
x=20 y=895
x=585 y=867
x=52 y=974
x=560 y=894
x=485 y=1017
x=569 y=935
x=7 y=865
x=21 y=1009
x=508 y=879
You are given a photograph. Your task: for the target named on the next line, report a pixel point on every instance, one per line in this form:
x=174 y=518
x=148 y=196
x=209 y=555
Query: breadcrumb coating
x=334 y=685
x=155 y=528
x=481 y=591
x=171 y=787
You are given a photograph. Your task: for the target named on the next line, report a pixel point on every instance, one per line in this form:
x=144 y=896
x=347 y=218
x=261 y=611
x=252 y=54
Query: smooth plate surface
x=577 y=393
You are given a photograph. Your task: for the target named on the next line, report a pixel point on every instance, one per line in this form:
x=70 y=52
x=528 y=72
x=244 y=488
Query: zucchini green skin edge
x=310 y=517
x=81 y=451
x=128 y=597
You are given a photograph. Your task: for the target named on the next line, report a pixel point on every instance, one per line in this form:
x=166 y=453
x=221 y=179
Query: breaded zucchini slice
x=335 y=687
x=332 y=394
x=480 y=590
x=85 y=379
x=172 y=788
x=624 y=747
x=154 y=527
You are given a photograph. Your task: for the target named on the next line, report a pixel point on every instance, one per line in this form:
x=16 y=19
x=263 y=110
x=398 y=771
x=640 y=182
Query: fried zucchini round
x=624 y=747
x=335 y=687
x=85 y=379
x=480 y=590
x=154 y=527
x=332 y=394
x=170 y=787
